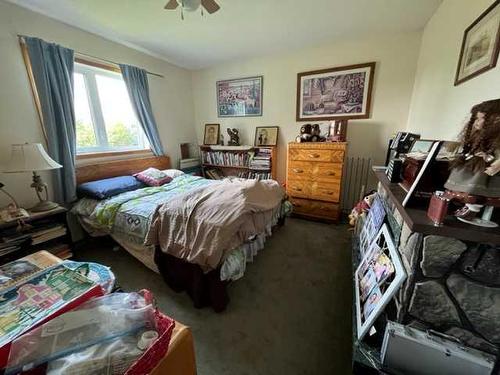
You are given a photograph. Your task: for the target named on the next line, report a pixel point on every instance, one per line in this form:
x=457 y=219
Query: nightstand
x=46 y=230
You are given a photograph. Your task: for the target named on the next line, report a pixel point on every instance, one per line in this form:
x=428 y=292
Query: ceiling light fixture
x=192 y=5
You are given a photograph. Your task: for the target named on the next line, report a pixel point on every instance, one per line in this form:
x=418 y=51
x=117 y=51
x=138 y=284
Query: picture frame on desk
x=433 y=152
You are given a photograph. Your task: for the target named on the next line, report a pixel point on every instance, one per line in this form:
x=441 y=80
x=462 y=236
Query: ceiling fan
x=192 y=5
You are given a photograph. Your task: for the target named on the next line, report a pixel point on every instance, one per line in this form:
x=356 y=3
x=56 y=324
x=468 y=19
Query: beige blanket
x=203 y=225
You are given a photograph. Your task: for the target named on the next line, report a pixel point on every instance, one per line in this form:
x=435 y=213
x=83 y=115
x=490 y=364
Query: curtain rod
x=101 y=59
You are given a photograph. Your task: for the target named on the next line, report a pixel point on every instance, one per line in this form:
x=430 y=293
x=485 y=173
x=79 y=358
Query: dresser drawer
x=316 y=155
x=297 y=188
x=315 y=208
x=300 y=170
x=327 y=192
x=327 y=172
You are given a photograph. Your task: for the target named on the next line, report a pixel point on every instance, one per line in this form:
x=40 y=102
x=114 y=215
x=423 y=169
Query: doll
x=474 y=176
x=361 y=208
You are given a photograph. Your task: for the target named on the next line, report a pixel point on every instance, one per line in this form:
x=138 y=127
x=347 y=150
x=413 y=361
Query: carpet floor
x=290 y=314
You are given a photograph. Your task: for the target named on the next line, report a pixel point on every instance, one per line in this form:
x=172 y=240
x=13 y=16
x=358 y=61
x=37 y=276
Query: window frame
x=89 y=70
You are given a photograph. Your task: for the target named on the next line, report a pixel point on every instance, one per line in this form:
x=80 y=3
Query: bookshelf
x=240 y=161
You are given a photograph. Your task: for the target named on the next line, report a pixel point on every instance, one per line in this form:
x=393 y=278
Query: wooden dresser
x=314 y=177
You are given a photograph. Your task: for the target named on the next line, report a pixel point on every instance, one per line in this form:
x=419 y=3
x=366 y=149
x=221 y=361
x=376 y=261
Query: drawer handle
x=297 y=170
x=331 y=173
x=296 y=205
x=329 y=192
x=314 y=156
x=297 y=189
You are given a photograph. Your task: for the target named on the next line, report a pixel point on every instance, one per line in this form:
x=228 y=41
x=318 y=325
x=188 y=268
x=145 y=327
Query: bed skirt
x=205 y=289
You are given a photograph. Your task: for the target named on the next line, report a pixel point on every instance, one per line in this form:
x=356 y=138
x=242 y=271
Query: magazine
x=17 y=271
x=372 y=224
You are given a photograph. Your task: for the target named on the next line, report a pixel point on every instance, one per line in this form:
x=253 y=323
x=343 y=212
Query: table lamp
x=31 y=157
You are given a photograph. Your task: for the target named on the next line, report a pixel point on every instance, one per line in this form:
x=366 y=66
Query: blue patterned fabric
x=53 y=67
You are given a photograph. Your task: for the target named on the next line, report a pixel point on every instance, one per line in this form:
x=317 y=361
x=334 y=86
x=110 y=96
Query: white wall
x=439 y=109
x=396 y=58
x=171 y=96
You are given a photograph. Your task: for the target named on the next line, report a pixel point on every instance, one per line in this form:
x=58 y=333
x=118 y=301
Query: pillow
x=173 y=172
x=153 y=177
x=108 y=187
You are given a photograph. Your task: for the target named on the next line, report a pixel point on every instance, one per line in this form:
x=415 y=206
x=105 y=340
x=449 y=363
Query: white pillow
x=173 y=173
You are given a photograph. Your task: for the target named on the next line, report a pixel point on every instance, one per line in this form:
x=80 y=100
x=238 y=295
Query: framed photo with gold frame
x=480 y=45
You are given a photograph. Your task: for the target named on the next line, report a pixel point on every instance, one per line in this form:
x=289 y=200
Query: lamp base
x=44 y=206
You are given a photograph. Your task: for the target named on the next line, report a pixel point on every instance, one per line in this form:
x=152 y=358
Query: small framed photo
x=240 y=97
x=212 y=134
x=480 y=45
x=266 y=135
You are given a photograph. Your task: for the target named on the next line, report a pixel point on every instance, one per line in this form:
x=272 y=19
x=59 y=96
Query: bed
x=198 y=234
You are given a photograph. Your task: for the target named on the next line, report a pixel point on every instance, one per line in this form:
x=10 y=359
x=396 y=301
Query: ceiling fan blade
x=172 y=4
x=210 y=5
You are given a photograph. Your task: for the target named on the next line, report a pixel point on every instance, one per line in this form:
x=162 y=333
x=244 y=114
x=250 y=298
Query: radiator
x=357 y=179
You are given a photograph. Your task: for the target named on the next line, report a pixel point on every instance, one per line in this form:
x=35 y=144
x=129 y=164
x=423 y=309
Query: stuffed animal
x=361 y=208
x=305 y=133
x=310 y=133
x=316 y=134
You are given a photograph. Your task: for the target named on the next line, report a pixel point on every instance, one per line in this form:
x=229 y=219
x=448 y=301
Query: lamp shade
x=29 y=157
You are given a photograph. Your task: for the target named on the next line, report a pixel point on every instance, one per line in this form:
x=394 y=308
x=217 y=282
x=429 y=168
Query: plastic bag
x=95 y=322
x=113 y=357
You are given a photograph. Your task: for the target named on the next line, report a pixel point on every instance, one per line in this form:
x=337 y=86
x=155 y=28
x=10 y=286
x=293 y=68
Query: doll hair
x=487 y=139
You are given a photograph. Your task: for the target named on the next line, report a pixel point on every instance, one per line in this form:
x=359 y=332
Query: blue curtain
x=53 y=67
x=136 y=80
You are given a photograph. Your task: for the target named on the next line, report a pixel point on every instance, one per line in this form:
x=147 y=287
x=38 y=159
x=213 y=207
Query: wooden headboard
x=92 y=172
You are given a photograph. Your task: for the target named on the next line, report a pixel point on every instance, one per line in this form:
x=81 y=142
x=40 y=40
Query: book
x=48 y=235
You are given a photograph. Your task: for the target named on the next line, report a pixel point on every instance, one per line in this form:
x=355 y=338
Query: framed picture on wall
x=480 y=45
x=334 y=94
x=240 y=97
x=266 y=135
x=212 y=134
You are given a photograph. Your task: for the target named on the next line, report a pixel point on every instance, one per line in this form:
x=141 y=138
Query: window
x=105 y=120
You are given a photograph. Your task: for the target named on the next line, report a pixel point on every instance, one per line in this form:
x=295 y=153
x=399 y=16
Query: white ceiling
x=240 y=29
